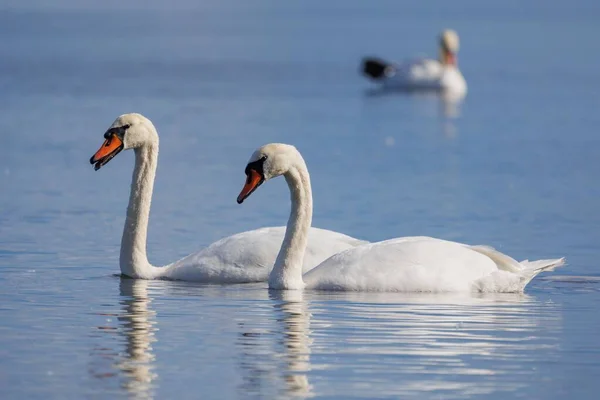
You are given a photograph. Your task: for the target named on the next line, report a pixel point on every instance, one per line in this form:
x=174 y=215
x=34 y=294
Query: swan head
x=129 y=131
x=268 y=161
x=449 y=46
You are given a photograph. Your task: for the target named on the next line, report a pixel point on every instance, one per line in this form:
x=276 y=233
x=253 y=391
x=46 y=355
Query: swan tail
x=506 y=281
x=375 y=68
x=532 y=268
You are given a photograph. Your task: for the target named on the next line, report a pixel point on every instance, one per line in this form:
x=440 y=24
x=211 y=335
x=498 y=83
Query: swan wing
x=417 y=74
x=250 y=256
x=426 y=74
x=410 y=264
x=322 y=244
x=425 y=264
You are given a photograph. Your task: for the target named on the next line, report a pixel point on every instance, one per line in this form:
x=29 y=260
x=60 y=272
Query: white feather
x=407 y=264
x=245 y=257
x=429 y=74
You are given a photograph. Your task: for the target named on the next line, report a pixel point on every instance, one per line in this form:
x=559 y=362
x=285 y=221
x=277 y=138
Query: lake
x=514 y=166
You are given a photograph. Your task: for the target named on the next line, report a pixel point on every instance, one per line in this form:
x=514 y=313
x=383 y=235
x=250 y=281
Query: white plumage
x=407 y=264
x=424 y=264
x=245 y=257
x=249 y=256
x=424 y=74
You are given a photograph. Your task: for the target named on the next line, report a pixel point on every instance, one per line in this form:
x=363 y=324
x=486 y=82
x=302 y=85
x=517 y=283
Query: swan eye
x=119 y=131
x=256 y=166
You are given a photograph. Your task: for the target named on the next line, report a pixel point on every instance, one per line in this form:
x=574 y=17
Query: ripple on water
x=338 y=344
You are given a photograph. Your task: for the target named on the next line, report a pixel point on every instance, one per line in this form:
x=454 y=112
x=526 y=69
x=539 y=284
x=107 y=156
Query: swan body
x=424 y=264
x=245 y=257
x=249 y=256
x=407 y=264
x=423 y=74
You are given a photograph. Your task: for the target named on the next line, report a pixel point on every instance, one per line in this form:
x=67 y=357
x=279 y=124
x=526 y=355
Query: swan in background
x=408 y=264
x=244 y=257
x=423 y=74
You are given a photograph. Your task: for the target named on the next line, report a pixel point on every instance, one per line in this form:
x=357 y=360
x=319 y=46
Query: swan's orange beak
x=253 y=180
x=450 y=58
x=110 y=148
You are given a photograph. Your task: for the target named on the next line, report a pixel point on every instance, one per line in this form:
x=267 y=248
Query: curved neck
x=133 y=260
x=447 y=58
x=287 y=272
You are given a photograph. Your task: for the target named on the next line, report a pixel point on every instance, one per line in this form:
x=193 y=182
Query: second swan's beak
x=110 y=148
x=253 y=181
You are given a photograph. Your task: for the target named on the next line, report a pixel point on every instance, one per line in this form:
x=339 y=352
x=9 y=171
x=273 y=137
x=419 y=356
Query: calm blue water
x=516 y=166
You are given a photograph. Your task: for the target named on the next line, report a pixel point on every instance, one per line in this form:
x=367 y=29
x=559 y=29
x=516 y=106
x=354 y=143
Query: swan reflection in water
x=392 y=344
x=445 y=345
x=277 y=358
x=304 y=344
x=445 y=106
x=135 y=365
x=294 y=318
x=138 y=321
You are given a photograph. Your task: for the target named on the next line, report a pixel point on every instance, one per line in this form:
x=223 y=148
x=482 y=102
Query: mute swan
x=245 y=257
x=423 y=74
x=408 y=264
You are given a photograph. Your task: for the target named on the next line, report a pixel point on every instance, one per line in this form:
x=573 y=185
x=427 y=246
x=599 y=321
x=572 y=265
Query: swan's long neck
x=287 y=272
x=134 y=262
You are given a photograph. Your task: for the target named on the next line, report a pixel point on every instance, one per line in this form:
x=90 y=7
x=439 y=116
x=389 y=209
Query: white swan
x=423 y=74
x=245 y=257
x=416 y=264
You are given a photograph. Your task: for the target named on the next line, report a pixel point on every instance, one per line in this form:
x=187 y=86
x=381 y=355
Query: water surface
x=514 y=166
